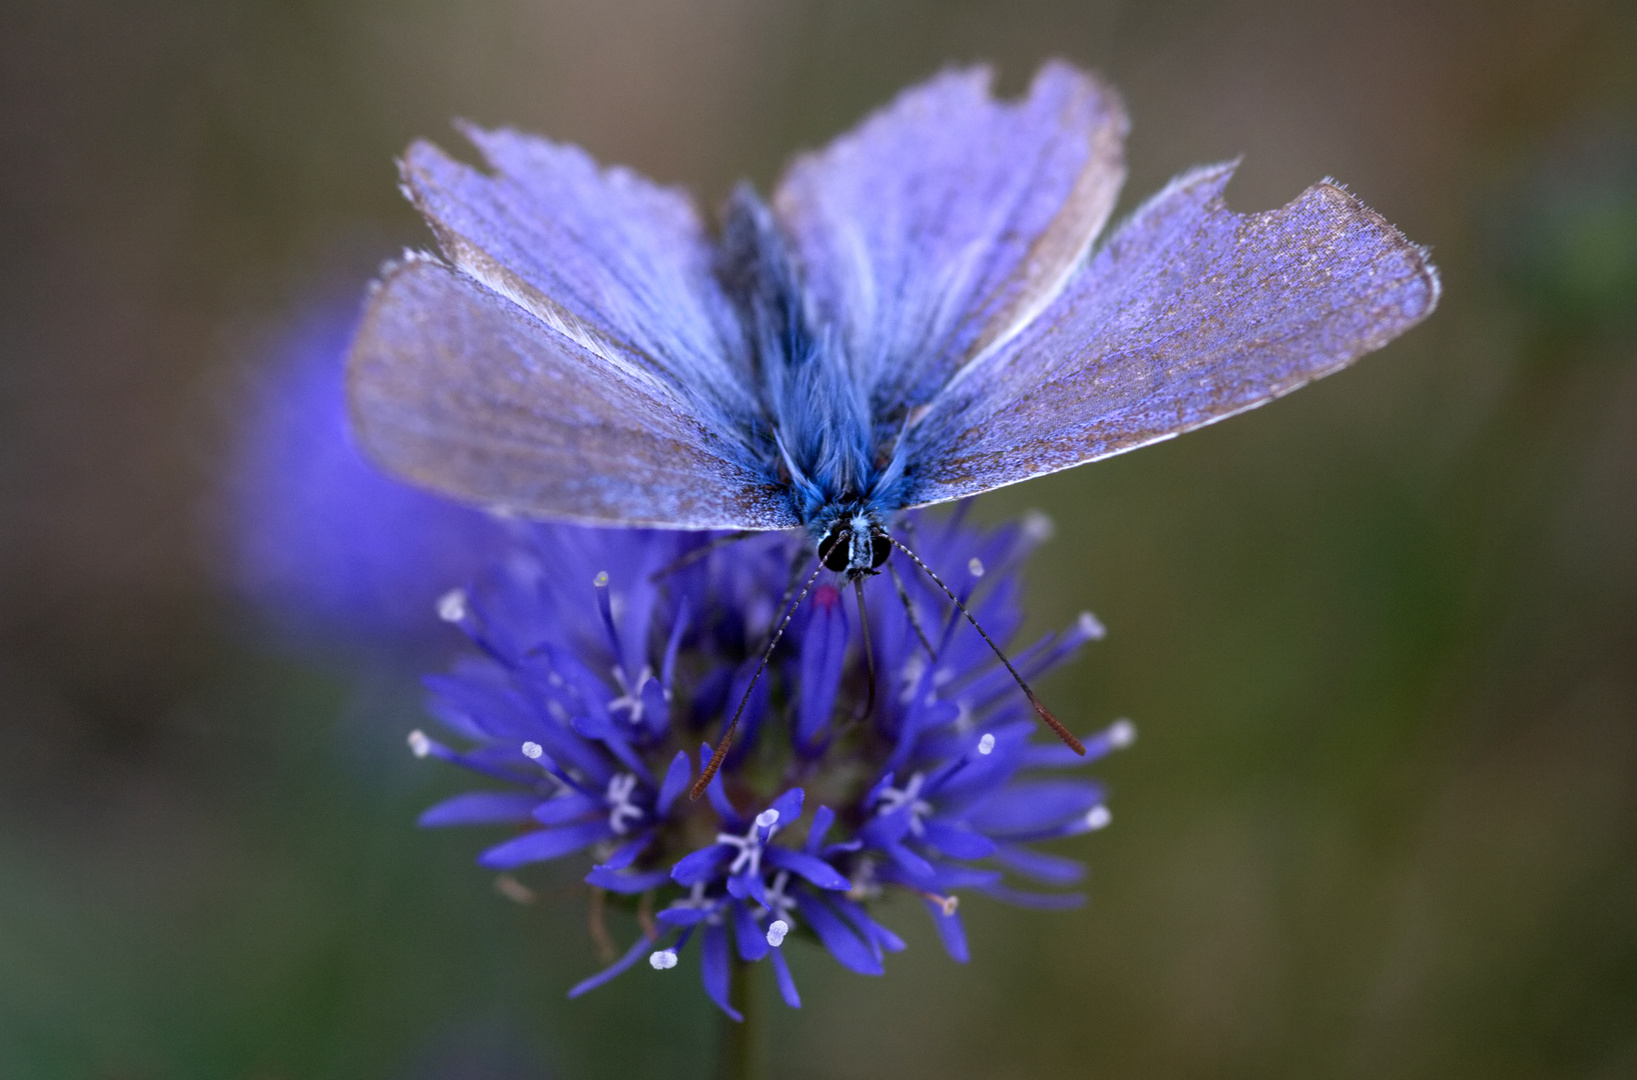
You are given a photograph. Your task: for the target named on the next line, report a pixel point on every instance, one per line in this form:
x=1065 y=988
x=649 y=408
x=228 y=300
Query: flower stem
x=739 y=1058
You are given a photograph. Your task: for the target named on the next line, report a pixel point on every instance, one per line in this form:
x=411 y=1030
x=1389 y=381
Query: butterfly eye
x=836 y=549
x=880 y=548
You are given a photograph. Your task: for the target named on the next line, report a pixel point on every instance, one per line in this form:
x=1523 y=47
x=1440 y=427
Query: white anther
x=1121 y=733
x=452 y=605
x=986 y=745
x=419 y=744
x=1091 y=628
x=949 y=904
x=660 y=959
x=1038 y=527
x=533 y=750
x=767 y=818
x=601 y=582
x=975 y=567
x=776 y=932
x=1098 y=817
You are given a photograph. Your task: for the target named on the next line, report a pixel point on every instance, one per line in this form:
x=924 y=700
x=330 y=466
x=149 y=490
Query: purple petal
x=627 y=853
x=715 y=967
x=639 y=947
x=569 y=806
x=605 y=878
x=701 y=865
x=482 y=808
x=749 y=937
x=683 y=916
x=879 y=936
x=544 y=844
x=676 y=782
x=956 y=840
x=1027 y=807
x=1049 y=869
x=823 y=651
x=788 y=804
x=823 y=818
x=1035 y=900
x=787 y=985
x=950 y=931
x=811 y=867
x=839 y=938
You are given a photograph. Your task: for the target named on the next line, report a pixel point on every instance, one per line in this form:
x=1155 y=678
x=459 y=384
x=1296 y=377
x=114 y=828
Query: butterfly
x=920 y=313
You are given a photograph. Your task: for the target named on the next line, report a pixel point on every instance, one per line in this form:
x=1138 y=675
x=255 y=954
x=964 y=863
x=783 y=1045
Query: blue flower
x=601 y=660
x=318 y=539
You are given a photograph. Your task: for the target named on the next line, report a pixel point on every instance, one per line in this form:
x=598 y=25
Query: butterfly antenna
x=689 y=558
x=1040 y=710
x=909 y=609
x=722 y=745
x=869 y=653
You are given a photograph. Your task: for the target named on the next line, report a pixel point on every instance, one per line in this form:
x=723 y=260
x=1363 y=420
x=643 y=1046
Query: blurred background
x=1380 y=639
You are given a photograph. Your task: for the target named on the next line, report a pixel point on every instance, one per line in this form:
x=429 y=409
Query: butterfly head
x=855 y=544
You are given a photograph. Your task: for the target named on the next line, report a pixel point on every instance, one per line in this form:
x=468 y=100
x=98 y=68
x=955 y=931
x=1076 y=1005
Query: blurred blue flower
x=321 y=541
x=600 y=657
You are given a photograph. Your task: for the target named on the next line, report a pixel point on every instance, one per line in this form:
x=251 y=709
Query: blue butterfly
x=918 y=316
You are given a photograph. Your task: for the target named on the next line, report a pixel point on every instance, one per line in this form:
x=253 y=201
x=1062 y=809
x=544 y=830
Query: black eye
x=880 y=548
x=836 y=549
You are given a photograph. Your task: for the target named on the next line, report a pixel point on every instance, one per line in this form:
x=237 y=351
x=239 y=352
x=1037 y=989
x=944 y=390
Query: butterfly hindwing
x=460 y=390
x=1190 y=313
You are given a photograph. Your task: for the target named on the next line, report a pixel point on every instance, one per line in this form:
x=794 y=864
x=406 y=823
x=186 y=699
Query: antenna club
x=1057 y=727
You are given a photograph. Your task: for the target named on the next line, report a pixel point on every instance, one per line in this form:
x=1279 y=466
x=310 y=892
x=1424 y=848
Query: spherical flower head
x=603 y=662
x=326 y=546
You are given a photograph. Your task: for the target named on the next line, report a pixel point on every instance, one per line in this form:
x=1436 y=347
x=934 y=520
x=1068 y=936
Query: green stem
x=739 y=1058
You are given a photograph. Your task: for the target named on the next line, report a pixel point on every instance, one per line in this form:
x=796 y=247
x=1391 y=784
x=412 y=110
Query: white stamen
x=1091 y=628
x=533 y=750
x=986 y=745
x=892 y=798
x=630 y=699
x=1038 y=527
x=419 y=744
x=660 y=959
x=949 y=904
x=1098 y=817
x=452 y=606
x=619 y=801
x=601 y=582
x=975 y=567
x=776 y=932
x=1121 y=733
x=768 y=818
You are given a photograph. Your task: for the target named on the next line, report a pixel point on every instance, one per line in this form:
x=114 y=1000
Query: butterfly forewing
x=942 y=223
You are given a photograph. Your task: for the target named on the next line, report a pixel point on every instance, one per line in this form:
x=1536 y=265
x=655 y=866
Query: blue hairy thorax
x=824 y=443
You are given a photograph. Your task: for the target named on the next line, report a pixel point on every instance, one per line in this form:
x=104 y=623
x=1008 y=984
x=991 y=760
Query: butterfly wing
x=1189 y=314
x=461 y=390
x=580 y=362
x=943 y=223
x=608 y=258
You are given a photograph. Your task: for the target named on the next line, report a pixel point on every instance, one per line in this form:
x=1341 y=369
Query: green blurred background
x=1380 y=639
